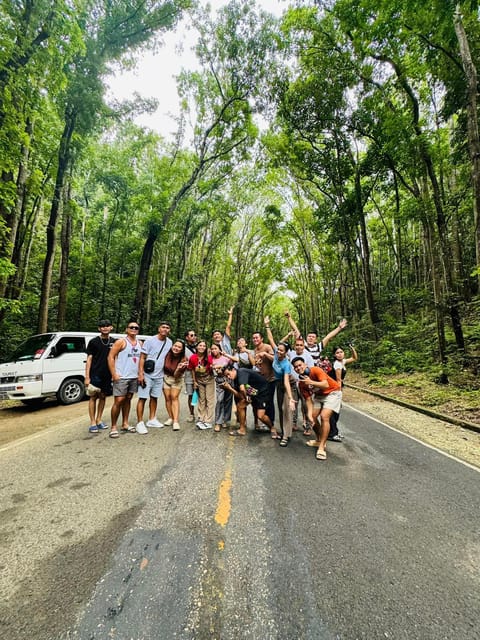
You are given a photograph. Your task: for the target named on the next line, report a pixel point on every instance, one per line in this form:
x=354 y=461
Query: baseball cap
x=104 y=323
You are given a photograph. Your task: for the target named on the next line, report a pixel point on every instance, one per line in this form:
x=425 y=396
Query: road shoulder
x=452 y=439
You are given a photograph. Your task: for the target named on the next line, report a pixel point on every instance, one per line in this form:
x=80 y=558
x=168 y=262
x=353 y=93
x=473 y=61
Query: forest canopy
x=357 y=197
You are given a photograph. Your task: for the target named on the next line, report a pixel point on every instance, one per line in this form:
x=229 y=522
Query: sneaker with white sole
x=102 y=426
x=155 y=423
x=141 y=428
x=176 y=426
x=168 y=423
x=337 y=438
x=206 y=425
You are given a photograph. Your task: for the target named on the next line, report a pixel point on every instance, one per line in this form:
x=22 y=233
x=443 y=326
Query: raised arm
x=353 y=357
x=228 y=328
x=290 y=334
x=341 y=325
x=293 y=324
x=266 y=321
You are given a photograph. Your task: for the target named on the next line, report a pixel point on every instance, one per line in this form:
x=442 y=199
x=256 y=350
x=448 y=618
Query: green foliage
x=332 y=213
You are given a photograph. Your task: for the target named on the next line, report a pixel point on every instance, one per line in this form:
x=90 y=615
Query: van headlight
x=37 y=378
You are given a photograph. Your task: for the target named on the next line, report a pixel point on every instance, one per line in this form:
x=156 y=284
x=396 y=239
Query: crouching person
x=248 y=386
x=325 y=394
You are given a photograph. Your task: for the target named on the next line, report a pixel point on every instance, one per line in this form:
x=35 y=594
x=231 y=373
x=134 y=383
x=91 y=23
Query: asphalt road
x=200 y=535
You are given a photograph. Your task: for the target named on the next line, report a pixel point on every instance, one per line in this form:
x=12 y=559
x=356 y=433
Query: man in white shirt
x=150 y=384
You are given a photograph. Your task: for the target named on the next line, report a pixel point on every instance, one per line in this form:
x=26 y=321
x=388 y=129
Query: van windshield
x=33 y=348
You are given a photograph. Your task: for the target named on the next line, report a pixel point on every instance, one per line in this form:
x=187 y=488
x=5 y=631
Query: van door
x=66 y=359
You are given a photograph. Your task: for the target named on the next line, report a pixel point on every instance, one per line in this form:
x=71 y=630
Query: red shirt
x=203 y=365
x=318 y=375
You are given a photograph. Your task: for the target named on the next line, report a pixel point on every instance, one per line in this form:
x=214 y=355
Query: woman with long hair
x=282 y=370
x=223 y=402
x=173 y=369
x=200 y=364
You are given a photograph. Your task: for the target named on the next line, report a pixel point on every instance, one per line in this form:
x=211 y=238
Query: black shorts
x=105 y=384
x=261 y=400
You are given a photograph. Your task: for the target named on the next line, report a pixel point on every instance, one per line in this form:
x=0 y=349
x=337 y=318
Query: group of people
x=307 y=386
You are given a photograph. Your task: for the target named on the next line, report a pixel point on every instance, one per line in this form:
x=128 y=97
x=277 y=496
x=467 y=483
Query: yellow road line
x=224 y=504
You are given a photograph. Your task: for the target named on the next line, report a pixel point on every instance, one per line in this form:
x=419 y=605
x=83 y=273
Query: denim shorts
x=152 y=389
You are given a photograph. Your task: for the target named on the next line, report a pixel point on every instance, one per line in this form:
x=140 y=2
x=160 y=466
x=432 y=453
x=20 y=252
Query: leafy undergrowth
x=459 y=399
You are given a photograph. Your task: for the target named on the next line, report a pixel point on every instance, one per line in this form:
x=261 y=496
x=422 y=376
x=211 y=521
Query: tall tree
x=232 y=53
x=111 y=30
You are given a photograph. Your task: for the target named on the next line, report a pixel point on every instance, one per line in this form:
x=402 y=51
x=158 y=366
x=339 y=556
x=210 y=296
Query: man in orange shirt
x=325 y=394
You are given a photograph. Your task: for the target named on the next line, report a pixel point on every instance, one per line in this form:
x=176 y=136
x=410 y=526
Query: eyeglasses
x=134 y=328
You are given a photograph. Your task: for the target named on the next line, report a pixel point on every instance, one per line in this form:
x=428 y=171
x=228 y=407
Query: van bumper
x=21 y=390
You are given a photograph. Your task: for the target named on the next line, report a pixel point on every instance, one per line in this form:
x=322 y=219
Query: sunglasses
x=133 y=328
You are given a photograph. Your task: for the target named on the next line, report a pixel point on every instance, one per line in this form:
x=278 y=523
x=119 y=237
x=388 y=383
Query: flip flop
x=321 y=455
x=275 y=435
x=313 y=443
x=262 y=429
x=128 y=430
x=217 y=428
x=237 y=432
x=113 y=434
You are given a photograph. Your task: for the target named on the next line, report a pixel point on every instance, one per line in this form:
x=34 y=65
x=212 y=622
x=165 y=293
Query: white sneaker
x=141 y=428
x=155 y=423
x=176 y=426
x=168 y=423
x=191 y=418
x=206 y=425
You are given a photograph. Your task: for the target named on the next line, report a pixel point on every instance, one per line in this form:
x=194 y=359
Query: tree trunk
x=14 y=217
x=398 y=239
x=472 y=121
x=365 y=249
x=63 y=162
x=437 y=297
x=66 y=235
x=142 y=280
x=444 y=243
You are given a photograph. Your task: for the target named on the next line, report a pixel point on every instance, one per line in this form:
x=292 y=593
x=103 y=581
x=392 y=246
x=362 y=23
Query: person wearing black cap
x=98 y=379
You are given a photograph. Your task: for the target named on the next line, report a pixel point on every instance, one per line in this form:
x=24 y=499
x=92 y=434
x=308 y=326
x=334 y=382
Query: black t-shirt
x=253 y=379
x=99 y=350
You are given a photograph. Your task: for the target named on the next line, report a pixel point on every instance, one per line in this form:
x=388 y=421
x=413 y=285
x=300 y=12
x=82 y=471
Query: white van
x=48 y=364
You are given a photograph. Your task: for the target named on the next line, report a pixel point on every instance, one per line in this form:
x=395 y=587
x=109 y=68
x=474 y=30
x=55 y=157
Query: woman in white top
x=339 y=368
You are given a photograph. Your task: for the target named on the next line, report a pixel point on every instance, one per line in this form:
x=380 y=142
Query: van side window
x=70 y=345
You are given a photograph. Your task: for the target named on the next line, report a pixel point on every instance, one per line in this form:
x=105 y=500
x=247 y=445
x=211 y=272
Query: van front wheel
x=71 y=391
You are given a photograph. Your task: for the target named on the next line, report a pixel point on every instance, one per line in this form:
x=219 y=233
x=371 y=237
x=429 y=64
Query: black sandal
x=284 y=442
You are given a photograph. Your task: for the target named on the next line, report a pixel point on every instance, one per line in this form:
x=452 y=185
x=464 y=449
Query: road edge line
x=425 y=444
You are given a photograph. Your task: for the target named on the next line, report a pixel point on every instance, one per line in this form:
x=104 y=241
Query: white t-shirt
x=153 y=347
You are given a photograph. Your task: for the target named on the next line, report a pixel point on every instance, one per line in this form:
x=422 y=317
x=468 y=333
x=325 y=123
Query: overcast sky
x=154 y=75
